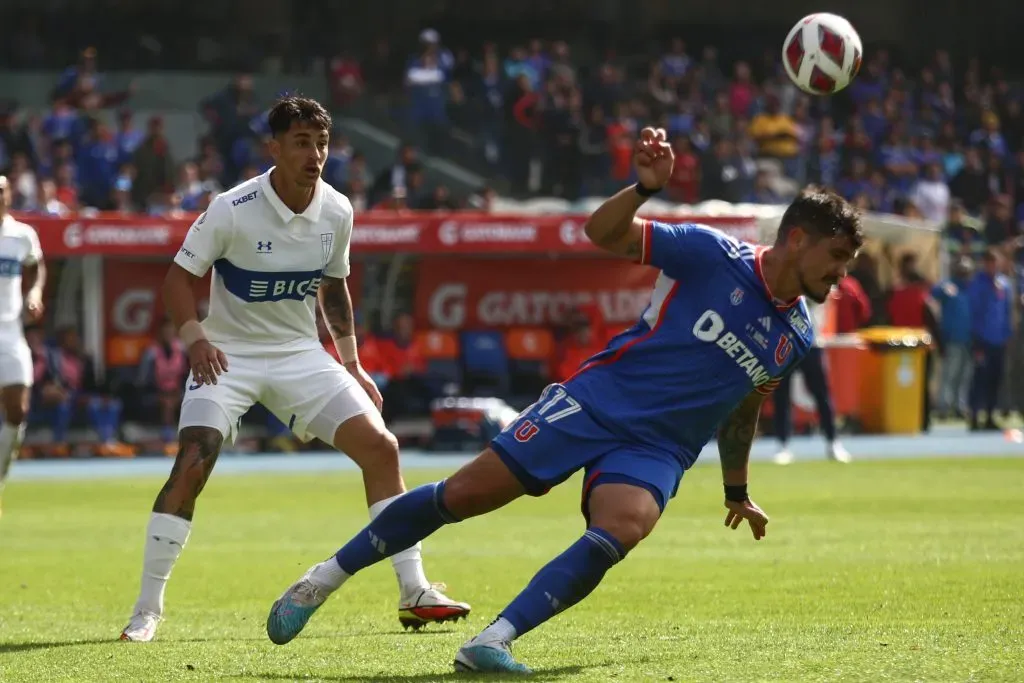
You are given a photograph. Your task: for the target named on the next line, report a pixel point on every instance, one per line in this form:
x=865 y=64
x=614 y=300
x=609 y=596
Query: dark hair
x=821 y=213
x=292 y=109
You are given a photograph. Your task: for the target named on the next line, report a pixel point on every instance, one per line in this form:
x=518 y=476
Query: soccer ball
x=822 y=53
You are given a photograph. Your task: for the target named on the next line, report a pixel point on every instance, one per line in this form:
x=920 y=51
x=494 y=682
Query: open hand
x=747 y=510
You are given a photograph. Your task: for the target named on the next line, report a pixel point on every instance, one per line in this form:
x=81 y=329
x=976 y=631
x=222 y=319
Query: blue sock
x=401 y=525
x=565 y=580
x=63 y=413
x=112 y=417
x=96 y=415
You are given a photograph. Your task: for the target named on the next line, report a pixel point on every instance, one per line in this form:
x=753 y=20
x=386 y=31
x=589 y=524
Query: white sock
x=328 y=575
x=501 y=629
x=166 y=536
x=408 y=564
x=10 y=443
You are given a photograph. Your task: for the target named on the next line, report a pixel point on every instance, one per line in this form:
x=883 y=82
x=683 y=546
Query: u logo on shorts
x=526 y=431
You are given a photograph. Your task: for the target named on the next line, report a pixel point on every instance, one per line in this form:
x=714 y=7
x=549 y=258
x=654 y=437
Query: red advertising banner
x=133 y=306
x=134 y=309
x=375 y=232
x=458 y=293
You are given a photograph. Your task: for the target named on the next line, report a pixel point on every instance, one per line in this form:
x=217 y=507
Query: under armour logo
x=263 y=247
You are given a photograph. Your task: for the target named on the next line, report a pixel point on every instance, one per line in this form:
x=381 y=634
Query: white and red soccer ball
x=822 y=53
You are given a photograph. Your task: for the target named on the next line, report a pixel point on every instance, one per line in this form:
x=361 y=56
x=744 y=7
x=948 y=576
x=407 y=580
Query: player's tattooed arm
x=615 y=227
x=336 y=305
x=736 y=436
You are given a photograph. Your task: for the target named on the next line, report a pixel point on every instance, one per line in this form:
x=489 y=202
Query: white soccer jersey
x=19 y=247
x=267 y=264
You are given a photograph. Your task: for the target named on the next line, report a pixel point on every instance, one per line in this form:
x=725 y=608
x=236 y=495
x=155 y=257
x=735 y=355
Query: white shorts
x=15 y=363
x=307 y=390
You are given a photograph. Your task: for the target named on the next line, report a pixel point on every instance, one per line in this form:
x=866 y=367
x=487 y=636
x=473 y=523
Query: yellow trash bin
x=893 y=379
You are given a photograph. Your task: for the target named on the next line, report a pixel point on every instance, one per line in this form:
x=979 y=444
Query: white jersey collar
x=312 y=212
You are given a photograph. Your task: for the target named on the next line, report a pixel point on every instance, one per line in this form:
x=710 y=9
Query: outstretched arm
x=735 y=437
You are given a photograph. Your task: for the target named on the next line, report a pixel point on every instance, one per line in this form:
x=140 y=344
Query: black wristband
x=737 y=494
x=645 y=191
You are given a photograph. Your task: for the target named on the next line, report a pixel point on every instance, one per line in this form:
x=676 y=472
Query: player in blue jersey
x=725 y=323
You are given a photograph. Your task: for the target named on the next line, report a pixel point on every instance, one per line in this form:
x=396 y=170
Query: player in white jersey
x=276 y=243
x=21 y=260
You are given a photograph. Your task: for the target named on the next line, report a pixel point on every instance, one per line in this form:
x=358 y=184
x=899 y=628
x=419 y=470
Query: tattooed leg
x=197 y=455
x=170 y=524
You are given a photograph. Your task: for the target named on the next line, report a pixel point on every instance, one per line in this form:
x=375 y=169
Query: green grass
x=880 y=571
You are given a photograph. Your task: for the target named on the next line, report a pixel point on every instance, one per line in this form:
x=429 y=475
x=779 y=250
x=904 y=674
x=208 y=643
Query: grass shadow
x=552 y=674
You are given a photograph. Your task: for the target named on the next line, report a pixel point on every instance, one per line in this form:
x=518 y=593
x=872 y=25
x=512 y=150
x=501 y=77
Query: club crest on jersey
x=326 y=242
x=264 y=247
x=526 y=431
x=783 y=350
x=737 y=296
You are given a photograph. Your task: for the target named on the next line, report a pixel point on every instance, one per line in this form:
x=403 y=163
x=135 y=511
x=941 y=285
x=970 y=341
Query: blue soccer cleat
x=289 y=615
x=492 y=657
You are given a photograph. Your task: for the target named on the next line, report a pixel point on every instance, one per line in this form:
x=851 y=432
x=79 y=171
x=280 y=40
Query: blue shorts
x=555 y=437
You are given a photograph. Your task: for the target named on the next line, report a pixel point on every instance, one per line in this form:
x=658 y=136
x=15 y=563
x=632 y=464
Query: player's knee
x=15 y=414
x=627 y=527
x=380 y=453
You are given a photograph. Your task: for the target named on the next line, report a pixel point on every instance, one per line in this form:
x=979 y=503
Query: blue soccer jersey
x=712 y=334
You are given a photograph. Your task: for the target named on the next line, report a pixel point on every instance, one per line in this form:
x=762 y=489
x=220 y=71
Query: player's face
x=822 y=263
x=301 y=152
x=5 y=194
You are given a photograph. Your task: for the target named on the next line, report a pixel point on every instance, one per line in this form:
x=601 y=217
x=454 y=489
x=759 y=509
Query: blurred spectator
x=931 y=194
x=98 y=161
x=407 y=161
x=684 y=185
x=162 y=371
x=1000 y=226
x=853 y=308
x=910 y=305
x=960 y=234
x=339 y=159
x=407 y=393
x=153 y=163
x=991 y=310
x=953 y=299
x=346 y=79
x=70 y=384
x=970 y=184
x=49 y=204
x=775 y=133
x=427 y=80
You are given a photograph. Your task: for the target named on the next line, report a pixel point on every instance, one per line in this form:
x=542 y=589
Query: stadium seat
x=440 y=353
x=485 y=362
x=529 y=351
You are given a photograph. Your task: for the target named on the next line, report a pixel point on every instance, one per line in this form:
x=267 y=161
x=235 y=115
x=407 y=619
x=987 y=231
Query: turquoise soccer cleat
x=289 y=615
x=488 y=657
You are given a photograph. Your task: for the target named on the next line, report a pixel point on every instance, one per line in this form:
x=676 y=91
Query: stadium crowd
x=940 y=143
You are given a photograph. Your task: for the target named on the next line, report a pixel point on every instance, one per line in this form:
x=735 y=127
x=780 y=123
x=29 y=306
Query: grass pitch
x=879 y=571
